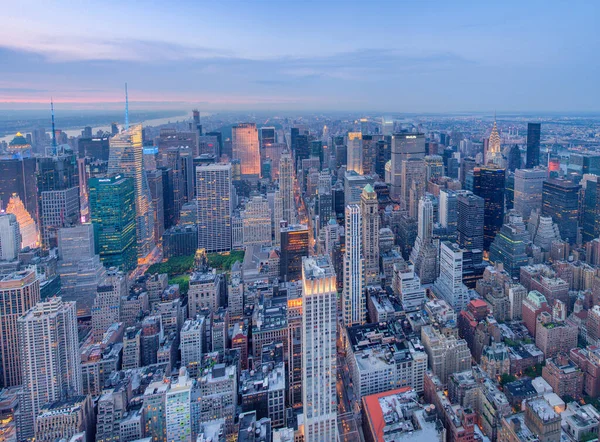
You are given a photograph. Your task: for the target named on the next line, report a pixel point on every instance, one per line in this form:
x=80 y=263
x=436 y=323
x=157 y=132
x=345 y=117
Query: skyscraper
x=286 y=188
x=560 y=200
x=51 y=362
x=294 y=246
x=178 y=408
x=354 y=152
x=510 y=244
x=424 y=254
x=267 y=136
x=369 y=207
x=256 y=219
x=489 y=183
x=79 y=266
x=404 y=146
x=112 y=209
x=319 y=301
x=126 y=158
x=30 y=235
x=590 y=216
x=354 y=303
x=448 y=212
x=533 y=145
x=449 y=285
x=470 y=227
x=18 y=293
x=529 y=184
x=214 y=193
x=244 y=139
x=16 y=177
x=58 y=191
x=10 y=237
x=493 y=153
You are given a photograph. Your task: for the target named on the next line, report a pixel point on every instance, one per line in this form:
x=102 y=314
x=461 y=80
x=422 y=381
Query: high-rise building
x=354 y=152
x=509 y=246
x=126 y=158
x=178 y=408
x=155 y=183
x=369 y=207
x=58 y=191
x=267 y=136
x=470 y=226
x=493 y=153
x=424 y=254
x=245 y=147
x=286 y=188
x=16 y=177
x=10 y=237
x=533 y=145
x=449 y=285
x=528 y=190
x=30 y=236
x=413 y=184
x=112 y=210
x=590 y=208
x=107 y=303
x=489 y=183
x=353 y=299
x=448 y=212
x=294 y=246
x=560 y=200
x=215 y=204
x=319 y=318
x=404 y=147
x=51 y=362
x=256 y=219
x=79 y=266
x=18 y=293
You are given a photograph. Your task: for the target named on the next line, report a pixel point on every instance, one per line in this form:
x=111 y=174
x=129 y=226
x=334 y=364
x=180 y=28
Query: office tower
x=155 y=183
x=369 y=153
x=509 y=190
x=79 y=267
x=509 y=246
x=449 y=285
x=382 y=155
x=353 y=298
x=354 y=153
x=256 y=219
x=67 y=420
x=424 y=254
x=131 y=348
x=407 y=285
x=173 y=139
x=404 y=147
x=560 y=200
x=286 y=188
x=51 y=362
x=96 y=148
x=16 y=178
x=10 y=237
x=470 y=227
x=126 y=158
x=18 y=293
x=58 y=191
x=319 y=368
x=180 y=161
x=446 y=354
x=529 y=184
x=533 y=145
x=369 y=208
x=448 y=211
x=493 y=153
x=154 y=407
x=27 y=227
x=177 y=408
x=543 y=231
x=590 y=208
x=267 y=136
x=434 y=167
x=107 y=304
x=301 y=150
x=113 y=214
x=412 y=184
x=583 y=163
x=245 y=147
x=294 y=246
x=354 y=185
x=214 y=193
x=514 y=158
x=170 y=217
x=191 y=337
x=489 y=183
x=325 y=204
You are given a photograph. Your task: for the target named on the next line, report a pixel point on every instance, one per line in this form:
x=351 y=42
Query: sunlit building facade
x=245 y=147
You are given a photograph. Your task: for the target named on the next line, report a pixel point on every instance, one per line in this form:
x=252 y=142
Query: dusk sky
x=402 y=56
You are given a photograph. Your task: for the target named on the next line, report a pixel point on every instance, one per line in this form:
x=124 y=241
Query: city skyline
x=439 y=58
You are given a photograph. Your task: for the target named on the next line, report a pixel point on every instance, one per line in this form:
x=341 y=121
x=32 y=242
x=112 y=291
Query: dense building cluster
x=312 y=279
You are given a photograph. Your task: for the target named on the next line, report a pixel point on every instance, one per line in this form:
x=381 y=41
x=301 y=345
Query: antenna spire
x=53 y=129
x=126 y=109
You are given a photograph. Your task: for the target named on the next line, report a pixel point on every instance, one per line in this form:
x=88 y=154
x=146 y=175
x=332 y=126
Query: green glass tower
x=112 y=207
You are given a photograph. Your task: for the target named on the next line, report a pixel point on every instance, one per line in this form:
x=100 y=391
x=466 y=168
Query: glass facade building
x=560 y=200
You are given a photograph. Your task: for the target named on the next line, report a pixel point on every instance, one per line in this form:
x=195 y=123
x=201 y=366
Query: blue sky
x=403 y=56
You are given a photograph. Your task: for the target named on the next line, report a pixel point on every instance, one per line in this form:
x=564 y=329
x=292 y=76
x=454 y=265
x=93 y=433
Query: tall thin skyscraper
x=18 y=293
x=370 y=235
x=51 y=362
x=214 y=193
x=489 y=183
x=10 y=237
x=245 y=147
x=354 y=302
x=493 y=153
x=286 y=188
x=560 y=200
x=533 y=145
x=30 y=236
x=319 y=301
x=126 y=157
x=354 y=152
